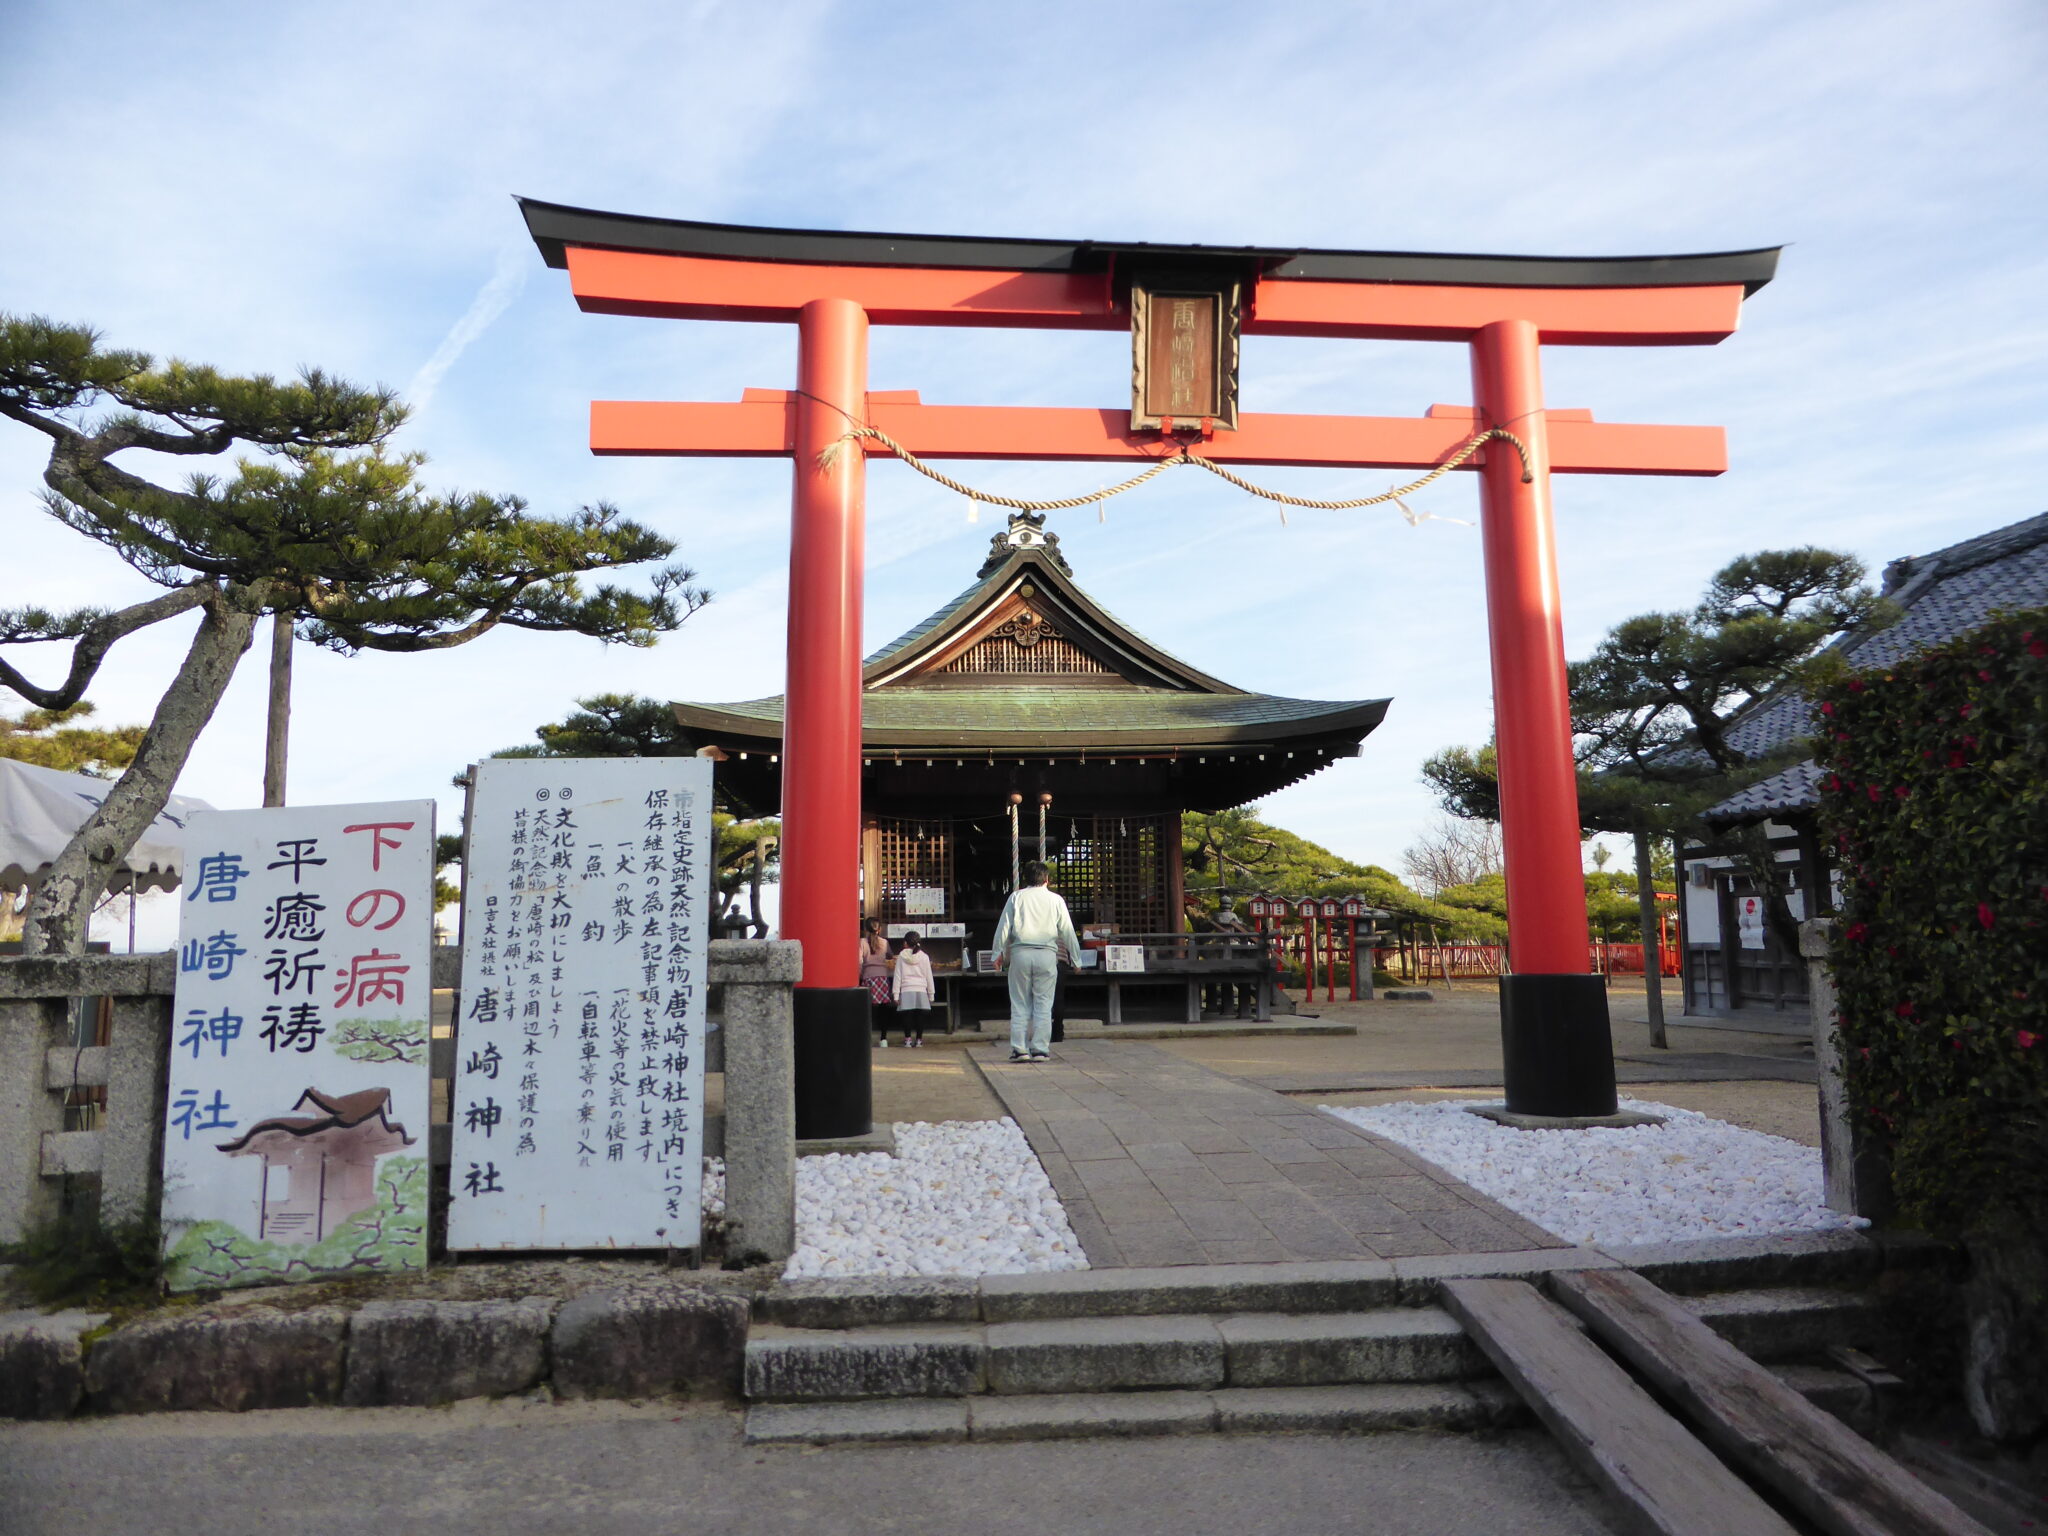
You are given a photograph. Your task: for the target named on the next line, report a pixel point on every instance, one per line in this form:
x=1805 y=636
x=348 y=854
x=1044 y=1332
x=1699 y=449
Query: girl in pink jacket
x=914 y=988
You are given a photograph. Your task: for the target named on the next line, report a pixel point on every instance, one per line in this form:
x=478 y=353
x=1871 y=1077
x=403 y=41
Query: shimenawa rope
x=830 y=455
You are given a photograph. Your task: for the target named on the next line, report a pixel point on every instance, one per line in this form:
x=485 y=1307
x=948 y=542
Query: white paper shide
x=295 y=1142
x=579 y=1080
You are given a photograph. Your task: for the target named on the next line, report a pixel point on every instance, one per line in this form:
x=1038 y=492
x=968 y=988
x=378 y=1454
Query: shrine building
x=1024 y=687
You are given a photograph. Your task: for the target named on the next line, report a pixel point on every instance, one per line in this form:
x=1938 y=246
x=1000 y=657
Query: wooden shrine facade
x=1025 y=686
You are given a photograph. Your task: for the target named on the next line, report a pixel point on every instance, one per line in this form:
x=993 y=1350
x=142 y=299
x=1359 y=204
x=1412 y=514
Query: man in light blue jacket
x=1034 y=933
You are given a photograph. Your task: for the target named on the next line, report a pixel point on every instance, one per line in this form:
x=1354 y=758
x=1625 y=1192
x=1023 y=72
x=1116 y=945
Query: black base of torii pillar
x=834 y=1038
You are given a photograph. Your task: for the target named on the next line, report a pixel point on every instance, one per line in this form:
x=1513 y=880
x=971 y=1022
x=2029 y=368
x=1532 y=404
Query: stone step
x=1337 y=1285
x=1786 y=1323
x=1332 y=1285
x=1204 y=1351
x=1192 y=1352
x=1353 y=1409
x=1110 y=1415
x=893 y=1360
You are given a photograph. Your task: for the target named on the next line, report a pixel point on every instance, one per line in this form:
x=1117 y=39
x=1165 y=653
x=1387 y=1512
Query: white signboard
x=579 y=1074
x=1123 y=957
x=924 y=901
x=295 y=1147
x=1749 y=921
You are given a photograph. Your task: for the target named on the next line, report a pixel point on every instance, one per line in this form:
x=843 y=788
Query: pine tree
x=323 y=524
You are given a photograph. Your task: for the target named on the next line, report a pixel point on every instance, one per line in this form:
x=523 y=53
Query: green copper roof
x=1148 y=699
x=1061 y=717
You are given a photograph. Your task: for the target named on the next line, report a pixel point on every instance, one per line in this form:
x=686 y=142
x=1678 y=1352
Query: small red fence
x=1462 y=962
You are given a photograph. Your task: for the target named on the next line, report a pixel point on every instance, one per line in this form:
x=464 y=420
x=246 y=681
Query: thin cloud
x=491 y=301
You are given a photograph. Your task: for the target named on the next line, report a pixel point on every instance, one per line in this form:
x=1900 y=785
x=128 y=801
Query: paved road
x=515 y=1469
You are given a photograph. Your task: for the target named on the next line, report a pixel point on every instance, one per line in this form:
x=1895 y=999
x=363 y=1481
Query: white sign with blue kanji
x=578 y=1100
x=295 y=1144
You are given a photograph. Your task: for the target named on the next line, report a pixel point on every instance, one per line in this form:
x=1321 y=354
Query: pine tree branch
x=95 y=640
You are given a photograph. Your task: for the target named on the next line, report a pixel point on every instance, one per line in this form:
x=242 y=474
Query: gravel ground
x=1790 y=1110
x=1692 y=1177
x=958 y=1198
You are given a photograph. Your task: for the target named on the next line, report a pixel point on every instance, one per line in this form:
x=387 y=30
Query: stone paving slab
x=1161 y=1162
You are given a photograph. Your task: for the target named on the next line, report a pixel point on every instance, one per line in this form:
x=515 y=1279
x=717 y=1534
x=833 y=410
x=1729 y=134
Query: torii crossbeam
x=832 y=286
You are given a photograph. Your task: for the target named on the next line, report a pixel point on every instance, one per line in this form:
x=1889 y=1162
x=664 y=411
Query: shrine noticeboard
x=579 y=1076
x=295 y=1143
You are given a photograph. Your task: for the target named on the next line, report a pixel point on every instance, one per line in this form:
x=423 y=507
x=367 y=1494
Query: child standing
x=874 y=975
x=914 y=988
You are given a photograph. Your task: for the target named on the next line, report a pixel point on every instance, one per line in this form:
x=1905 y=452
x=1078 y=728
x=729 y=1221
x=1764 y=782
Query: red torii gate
x=833 y=286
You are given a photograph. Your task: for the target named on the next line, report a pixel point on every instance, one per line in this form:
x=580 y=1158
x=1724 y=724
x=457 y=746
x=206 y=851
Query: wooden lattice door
x=902 y=853
x=1117 y=871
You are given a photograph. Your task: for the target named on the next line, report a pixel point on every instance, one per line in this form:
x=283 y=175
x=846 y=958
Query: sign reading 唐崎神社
x=295 y=1144
x=579 y=1078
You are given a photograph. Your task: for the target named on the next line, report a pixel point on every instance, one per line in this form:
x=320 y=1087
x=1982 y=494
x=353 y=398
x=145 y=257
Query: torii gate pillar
x=821 y=719
x=1557 y=1048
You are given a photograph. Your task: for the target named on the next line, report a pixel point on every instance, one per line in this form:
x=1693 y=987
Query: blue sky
x=268 y=186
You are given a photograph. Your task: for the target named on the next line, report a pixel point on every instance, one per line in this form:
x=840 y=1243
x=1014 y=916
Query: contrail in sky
x=491 y=301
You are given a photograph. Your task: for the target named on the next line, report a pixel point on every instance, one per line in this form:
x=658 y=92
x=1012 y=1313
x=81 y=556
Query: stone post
x=28 y=1029
x=132 y=1138
x=758 y=976
x=1856 y=1170
x=125 y=1150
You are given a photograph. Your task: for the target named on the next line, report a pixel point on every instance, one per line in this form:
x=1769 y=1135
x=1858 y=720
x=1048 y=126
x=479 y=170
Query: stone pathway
x=1160 y=1161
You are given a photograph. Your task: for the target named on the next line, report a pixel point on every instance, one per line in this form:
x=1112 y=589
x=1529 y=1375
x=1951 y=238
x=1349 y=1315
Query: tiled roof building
x=1735 y=965
x=1024 y=686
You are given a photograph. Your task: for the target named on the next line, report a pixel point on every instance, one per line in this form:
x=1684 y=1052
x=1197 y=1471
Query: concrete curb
x=619 y=1342
x=260 y=1359
x=42 y=1365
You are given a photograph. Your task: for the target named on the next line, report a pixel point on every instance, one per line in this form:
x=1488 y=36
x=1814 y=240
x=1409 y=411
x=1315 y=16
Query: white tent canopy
x=41 y=810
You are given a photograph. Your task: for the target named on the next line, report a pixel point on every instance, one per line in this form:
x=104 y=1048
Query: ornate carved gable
x=1026 y=642
x=1027 y=619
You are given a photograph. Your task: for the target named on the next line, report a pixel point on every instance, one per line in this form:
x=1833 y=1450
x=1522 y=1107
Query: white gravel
x=1692 y=1177
x=963 y=1197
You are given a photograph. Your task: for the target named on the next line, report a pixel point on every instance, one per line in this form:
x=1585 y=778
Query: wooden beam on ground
x=1610 y=1427
x=1827 y=1471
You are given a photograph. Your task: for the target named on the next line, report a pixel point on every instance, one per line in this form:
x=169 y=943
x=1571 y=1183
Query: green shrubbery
x=74 y=1259
x=1935 y=796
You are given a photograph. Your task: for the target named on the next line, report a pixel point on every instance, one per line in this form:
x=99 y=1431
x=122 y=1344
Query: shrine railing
x=751 y=983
